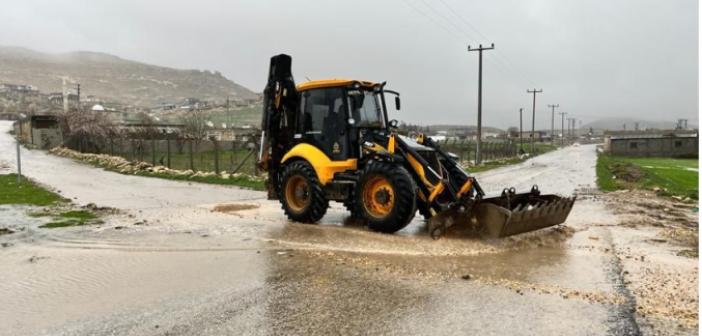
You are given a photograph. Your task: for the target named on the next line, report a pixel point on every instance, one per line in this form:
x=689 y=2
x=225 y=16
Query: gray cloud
x=625 y=58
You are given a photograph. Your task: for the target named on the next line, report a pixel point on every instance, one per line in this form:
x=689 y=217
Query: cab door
x=323 y=121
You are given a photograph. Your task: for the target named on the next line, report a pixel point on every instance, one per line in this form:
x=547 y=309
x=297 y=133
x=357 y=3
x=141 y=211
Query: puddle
x=234 y=207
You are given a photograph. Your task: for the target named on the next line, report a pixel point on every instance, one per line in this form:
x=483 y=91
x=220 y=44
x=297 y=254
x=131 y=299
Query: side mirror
x=397 y=103
x=393 y=123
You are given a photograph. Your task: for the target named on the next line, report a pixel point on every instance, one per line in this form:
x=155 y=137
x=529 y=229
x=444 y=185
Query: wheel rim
x=378 y=197
x=297 y=193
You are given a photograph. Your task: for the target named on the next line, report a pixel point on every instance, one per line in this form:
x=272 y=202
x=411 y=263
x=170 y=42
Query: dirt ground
x=191 y=259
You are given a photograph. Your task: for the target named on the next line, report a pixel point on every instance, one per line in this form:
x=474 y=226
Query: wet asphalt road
x=195 y=272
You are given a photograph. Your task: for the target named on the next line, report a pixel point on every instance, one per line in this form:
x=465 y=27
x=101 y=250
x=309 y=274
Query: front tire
x=301 y=194
x=386 y=196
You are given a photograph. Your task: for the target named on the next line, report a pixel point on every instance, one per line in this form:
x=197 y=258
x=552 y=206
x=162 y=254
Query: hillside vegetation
x=110 y=77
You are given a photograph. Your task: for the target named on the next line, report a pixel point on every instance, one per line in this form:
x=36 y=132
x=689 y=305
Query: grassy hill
x=238 y=116
x=112 y=78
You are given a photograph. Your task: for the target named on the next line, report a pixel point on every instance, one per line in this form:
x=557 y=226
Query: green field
x=229 y=160
x=249 y=115
x=25 y=192
x=674 y=177
x=238 y=116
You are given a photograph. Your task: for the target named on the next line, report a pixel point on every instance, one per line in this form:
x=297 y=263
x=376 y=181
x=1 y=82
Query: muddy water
x=296 y=279
x=94 y=286
x=198 y=259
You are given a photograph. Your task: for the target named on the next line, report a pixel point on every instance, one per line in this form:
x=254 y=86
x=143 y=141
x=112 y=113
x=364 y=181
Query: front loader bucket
x=511 y=213
x=506 y=215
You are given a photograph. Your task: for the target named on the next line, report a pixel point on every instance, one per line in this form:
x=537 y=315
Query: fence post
x=190 y=154
x=153 y=151
x=244 y=161
x=216 y=155
x=168 y=151
x=231 y=156
x=112 y=147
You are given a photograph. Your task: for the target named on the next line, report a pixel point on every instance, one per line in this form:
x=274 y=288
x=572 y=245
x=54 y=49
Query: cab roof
x=315 y=84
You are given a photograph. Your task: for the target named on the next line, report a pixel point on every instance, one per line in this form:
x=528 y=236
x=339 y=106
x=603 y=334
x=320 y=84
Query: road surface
x=167 y=264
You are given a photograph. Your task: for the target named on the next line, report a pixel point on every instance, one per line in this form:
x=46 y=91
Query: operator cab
x=337 y=113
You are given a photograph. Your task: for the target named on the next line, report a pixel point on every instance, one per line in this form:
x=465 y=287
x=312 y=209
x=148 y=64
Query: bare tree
x=148 y=128
x=194 y=126
x=87 y=129
x=513 y=132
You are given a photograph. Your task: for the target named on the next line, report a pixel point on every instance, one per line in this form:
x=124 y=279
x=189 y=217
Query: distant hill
x=110 y=77
x=463 y=128
x=618 y=123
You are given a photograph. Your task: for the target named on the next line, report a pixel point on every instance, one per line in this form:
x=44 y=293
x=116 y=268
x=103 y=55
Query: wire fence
x=466 y=149
x=493 y=149
x=182 y=154
x=240 y=156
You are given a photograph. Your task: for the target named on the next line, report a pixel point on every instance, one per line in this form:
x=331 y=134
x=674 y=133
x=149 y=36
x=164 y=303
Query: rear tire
x=386 y=196
x=301 y=194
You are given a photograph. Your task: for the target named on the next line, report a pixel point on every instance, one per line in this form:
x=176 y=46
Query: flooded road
x=194 y=259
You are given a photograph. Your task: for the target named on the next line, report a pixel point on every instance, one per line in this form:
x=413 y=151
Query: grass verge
x=667 y=176
x=495 y=164
x=25 y=192
x=72 y=218
x=540 y=148
x=140 y=168
x=234 y=181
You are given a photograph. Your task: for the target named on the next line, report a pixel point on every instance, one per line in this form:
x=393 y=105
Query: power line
x=445 y=18
x=501 y=66
x=498 y=54
x=432 y=20
x=453 y=11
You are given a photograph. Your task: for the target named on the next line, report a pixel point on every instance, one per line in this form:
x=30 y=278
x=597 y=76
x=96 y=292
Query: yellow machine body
x=322 y=164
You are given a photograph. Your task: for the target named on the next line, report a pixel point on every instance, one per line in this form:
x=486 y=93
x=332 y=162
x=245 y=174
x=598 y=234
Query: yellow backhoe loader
x=331 y=140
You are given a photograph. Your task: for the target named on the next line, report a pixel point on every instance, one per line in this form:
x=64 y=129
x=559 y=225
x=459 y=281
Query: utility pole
x=533 y=116
x=570 y=127
x=553 y=108
x=78 y=95
x=229 y=117
x=478 y=154
x=19 y=161
x=563 y=114
x=682 y=124
x=521 y=142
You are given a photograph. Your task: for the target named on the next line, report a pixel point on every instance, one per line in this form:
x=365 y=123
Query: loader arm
x=462 y=199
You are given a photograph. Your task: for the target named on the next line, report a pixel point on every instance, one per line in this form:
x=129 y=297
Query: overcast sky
x=596 y=58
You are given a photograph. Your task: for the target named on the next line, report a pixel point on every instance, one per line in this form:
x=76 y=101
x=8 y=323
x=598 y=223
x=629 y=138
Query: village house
x=670 y=143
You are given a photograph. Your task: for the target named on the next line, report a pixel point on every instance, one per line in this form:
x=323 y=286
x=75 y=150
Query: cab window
x=323 y=110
